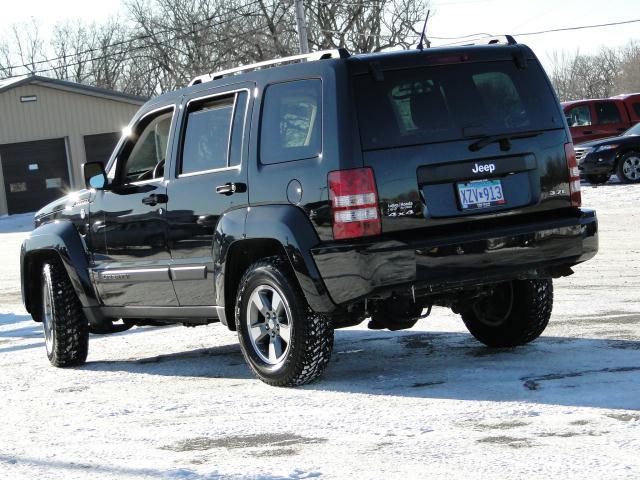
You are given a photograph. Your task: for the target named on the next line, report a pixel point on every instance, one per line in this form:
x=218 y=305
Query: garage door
x=98 y=148
x=35 y=173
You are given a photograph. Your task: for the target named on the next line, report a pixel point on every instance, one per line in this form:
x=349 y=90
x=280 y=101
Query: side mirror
x=94 y=175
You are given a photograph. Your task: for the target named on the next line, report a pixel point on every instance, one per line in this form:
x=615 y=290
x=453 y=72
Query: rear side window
x=213 y=133
x=636 y=108
x=291 y=122
x=447 y=102
x=579 y=116
x=608 y=113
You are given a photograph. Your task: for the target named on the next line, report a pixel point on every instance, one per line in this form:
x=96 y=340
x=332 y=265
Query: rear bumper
x=357 y=270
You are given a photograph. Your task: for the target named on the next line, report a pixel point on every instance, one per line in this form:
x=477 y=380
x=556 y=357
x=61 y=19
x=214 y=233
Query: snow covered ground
x=430 y=402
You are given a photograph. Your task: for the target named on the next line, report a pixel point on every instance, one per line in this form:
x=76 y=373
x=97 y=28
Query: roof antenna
x=424 y=32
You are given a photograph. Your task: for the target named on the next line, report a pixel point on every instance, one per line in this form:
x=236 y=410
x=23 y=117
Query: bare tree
x=188 y=37
x=363 y=26
x=26 y=47
x=6 y=65
x=629 y=78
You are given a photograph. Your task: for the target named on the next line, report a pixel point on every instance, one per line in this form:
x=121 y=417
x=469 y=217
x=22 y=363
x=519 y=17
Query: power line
x=131 y=50
x=565 y=29
x=133 y=39
x=464 y=38
x=540 y=32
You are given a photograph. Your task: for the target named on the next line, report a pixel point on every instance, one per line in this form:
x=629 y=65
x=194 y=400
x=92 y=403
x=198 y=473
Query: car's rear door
x=461 y=142
x=611 y=118
x=209 y=180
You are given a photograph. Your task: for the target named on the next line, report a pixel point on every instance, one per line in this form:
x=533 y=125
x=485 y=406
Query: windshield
x=635 y=130
x=449 y=102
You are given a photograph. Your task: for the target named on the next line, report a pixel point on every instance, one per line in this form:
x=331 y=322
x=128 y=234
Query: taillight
x=354 y=203
x=574 y=175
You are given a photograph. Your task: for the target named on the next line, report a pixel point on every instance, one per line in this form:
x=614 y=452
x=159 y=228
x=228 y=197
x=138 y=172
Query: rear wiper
x=503 y=140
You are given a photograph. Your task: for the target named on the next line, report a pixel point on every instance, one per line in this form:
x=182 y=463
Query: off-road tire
x=620 y=168
x=527 y=318
x=598 y=179
x=311 y=333
x=69 y=326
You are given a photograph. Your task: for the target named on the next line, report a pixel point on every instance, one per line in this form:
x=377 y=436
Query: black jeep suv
x=290 y=198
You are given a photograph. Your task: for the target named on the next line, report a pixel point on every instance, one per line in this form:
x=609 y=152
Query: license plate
x=480 y=194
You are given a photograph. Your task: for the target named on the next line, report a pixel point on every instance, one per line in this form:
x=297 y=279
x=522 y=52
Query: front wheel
x=284 y=342
x=514 y=313
x=66 y=329
x=629 y=168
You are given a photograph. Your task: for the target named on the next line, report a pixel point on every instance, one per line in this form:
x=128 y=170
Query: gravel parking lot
x=430 y=402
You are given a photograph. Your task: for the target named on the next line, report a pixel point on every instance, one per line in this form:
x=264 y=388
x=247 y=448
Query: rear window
x=439 y=103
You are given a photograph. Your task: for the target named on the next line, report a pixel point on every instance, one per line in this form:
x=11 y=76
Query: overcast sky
x=450 y=18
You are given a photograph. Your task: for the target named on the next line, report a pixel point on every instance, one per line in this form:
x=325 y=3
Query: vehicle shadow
x=22 y=222
x=612 y=182
x=216 y=362
x=33 y=330
x=553 y=370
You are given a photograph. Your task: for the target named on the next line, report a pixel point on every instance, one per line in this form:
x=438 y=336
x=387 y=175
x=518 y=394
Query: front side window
x=213 y=133
x=608 y=113
x=148 y=154
x=579 y=116
x=291 y=124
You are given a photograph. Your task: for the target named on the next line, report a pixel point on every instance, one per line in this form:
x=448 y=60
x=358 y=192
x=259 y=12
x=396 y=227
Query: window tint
x=291 y=127
x=579 y=116
x=206 y=138
x=607 y=113
x=149 y=151
x=428 y=104
x=636 y=108
x=209 y=130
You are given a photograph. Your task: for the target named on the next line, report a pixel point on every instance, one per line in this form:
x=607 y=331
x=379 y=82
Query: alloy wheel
x=631 y=168
x=269 y=324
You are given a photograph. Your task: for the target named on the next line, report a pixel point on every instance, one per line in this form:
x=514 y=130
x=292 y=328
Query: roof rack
x=307 y=57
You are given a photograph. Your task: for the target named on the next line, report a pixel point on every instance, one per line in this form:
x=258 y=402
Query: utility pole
x=302 y=27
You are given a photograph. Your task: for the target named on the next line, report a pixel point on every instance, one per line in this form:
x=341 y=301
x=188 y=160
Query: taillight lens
x=354 y=203
x=574 y=175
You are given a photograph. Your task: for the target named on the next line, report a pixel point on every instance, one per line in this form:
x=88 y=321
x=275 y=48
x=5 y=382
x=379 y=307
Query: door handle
x=587 y=132
x=155 y=198
x=231 y=188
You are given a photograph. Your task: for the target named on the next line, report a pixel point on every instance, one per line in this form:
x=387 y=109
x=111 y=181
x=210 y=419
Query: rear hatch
x=461 y=135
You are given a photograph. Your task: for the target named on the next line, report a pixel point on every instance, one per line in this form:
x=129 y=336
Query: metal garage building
x=48 y=129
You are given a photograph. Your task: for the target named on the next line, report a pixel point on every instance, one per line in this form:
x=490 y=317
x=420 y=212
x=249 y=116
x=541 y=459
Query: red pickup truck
x=604 y=117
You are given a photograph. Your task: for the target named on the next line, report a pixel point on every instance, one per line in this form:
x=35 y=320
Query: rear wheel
x=598 y=179
x=66 y=329
x=515 y=313
x=629 y=168
x=284 y=342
